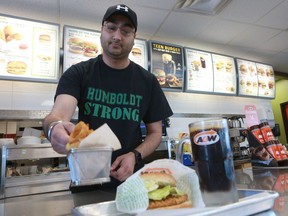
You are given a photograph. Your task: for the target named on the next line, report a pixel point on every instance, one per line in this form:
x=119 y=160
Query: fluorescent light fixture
x=208 y=7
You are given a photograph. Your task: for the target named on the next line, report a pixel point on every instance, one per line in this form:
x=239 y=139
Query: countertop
x=61 y=203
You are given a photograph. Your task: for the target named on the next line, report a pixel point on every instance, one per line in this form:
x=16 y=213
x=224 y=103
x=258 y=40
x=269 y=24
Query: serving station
x=63 y=202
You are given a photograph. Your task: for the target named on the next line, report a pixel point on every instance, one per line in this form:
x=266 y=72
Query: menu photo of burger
x=136 y=52
x=16 y=67
x=82 y=47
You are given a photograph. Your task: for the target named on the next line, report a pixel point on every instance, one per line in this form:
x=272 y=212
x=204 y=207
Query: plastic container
x=89 y=166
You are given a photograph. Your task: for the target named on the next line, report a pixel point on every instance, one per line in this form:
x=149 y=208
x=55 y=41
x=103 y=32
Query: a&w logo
x=119 y=7
x=206 y=138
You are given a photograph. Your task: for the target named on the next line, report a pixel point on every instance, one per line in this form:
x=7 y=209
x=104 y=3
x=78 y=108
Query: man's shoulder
x=139 y=69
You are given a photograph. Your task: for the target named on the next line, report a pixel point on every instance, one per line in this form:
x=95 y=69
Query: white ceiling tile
x=277 y=43
x=236 y=51
x=254 y=36
x=221 y=31
x=184 y=25
x=248 y=11
x=277 y=18
x=168 y=5
x=278 y=62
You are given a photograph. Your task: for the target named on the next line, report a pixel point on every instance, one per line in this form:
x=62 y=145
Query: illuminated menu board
x=79 y=45
x=247 y=78
x=199 y=71
x=82 y=44
x=225 y=77
x=266 y=80
x=167 y=65
x=29 y=50
x=139 y=53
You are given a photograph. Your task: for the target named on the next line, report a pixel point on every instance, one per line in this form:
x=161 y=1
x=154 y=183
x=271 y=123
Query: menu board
x=248 y=80
x=82 y=44
x=167 y=65
x=139 y=53
x=225 y=78
x=29 y=50
x=266 y=80
x=199 y=75
x=79 y=45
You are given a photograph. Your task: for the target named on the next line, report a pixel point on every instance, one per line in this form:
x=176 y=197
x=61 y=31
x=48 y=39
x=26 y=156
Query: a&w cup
x=213 y=159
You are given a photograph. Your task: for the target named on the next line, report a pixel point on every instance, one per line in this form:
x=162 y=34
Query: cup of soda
x=213 y=160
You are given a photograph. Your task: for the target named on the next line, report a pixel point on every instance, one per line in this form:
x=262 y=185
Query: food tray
x=250 y=202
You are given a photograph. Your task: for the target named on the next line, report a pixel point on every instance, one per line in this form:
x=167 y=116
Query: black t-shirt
x=120 y=98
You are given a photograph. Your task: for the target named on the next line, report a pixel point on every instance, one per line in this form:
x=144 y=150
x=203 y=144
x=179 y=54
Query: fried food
x=162 y=191
x=80 y=132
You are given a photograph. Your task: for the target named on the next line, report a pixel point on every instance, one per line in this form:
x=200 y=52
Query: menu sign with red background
x=167 y=65
x=29 y=50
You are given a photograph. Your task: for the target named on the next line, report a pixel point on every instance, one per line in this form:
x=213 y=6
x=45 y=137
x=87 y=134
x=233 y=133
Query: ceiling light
x=209 y=7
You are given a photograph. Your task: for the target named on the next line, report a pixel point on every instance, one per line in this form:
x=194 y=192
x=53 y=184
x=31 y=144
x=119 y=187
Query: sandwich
x=160 y=75
x=90 y=49
x=162 y=191
x=243 y=69
x=44 y=38
x=229 y=66
x=16 y=67
x=172 y=80
x=75 y=45
x=136 y=52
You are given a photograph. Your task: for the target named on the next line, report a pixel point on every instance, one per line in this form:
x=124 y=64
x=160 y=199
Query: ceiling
x=252 y=29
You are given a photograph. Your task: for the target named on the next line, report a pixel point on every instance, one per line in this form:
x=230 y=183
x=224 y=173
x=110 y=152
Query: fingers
x=123 y=167
x=60 y=136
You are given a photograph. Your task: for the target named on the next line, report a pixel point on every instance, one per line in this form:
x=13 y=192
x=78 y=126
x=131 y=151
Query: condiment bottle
x=266 y=131
x=281 y=149
x=255 y=130
x=273 y=150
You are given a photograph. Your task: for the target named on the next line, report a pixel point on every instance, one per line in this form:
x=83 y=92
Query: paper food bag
x=102 y=136
x=132 y=196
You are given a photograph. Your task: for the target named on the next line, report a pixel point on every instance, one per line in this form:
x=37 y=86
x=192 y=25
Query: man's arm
x=123 y=166
x=58 y=122
x=152 y=139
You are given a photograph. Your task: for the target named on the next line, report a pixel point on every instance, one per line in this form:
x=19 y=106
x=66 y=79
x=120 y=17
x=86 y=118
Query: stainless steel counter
x=61 y=203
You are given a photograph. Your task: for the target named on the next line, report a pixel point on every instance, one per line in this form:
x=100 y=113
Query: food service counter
x=61 y=202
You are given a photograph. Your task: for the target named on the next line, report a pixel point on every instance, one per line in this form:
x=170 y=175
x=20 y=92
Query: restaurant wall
x=17 y=95
x=281 y=87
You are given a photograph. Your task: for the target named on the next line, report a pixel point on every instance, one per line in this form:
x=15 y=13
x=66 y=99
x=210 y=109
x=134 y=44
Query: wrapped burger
x=162 y=184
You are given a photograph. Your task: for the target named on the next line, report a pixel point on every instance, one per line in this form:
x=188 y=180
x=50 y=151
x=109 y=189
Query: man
x=114 y=90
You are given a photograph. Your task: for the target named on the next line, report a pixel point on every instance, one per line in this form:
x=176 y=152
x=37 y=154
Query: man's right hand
x=60 y=136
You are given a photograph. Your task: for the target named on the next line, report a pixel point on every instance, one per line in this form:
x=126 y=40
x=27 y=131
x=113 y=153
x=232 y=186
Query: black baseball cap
x=121 y=9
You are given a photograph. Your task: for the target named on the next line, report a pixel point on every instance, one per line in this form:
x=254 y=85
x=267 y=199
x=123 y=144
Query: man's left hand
x=123 y=166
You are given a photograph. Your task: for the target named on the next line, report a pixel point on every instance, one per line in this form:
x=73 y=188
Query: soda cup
x=213 y=160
